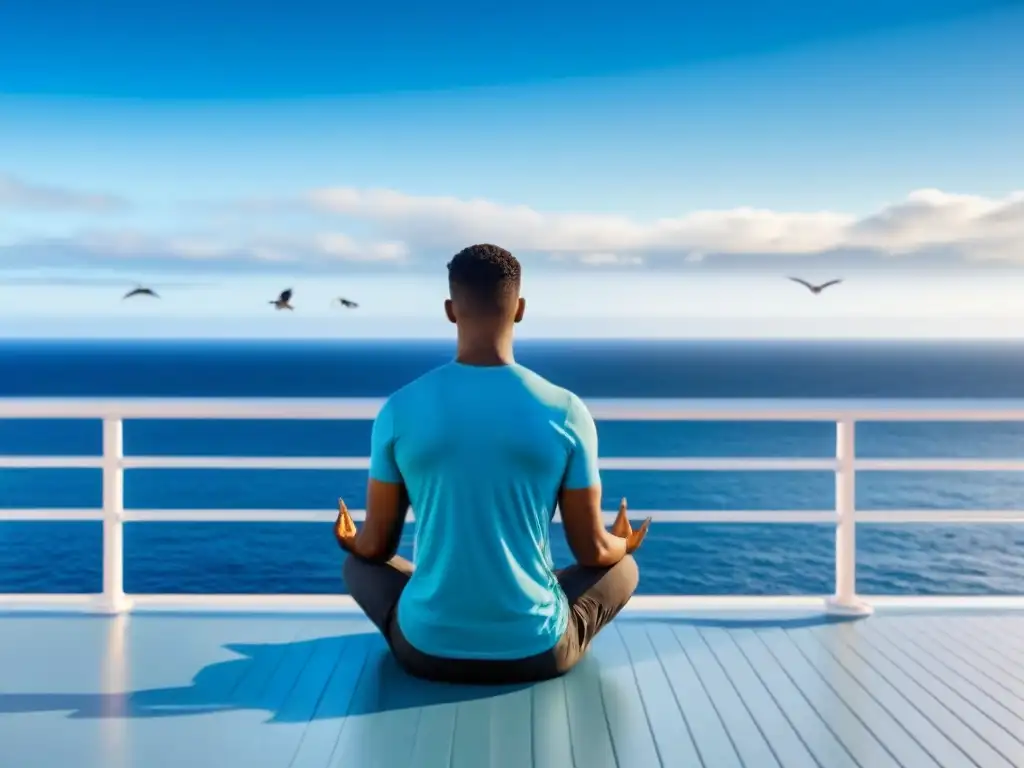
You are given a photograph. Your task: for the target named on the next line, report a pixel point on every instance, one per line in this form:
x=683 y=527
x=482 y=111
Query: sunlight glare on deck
x=791 y=690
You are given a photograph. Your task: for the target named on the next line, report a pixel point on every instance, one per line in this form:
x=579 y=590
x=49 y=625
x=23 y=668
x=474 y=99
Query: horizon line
x=529 y=340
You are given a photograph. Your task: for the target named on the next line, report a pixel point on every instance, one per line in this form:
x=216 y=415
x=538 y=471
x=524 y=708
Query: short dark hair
x=486 y=275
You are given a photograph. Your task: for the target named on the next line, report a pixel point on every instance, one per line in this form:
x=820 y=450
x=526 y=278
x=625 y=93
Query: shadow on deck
x=147 y=690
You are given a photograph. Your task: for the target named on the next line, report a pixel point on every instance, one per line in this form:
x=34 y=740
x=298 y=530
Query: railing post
x=113 y=599
x=845 y=601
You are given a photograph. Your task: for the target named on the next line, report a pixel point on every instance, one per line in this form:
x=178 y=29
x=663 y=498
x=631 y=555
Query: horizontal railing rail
x=603 y=409
x=844 y=516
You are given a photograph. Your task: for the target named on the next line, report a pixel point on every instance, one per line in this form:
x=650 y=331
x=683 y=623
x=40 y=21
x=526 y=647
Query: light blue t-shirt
x=483 y=452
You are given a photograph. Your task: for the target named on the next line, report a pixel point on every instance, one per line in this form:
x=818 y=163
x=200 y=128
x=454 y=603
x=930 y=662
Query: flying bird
x=282 y=301
x=815 y=289
x=140 y=291
x=346 y=303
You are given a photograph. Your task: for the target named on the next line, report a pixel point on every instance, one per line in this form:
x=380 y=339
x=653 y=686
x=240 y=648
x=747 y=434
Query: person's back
x=483 y=451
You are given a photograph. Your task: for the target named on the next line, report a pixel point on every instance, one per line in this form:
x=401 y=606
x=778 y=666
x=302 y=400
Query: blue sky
x=659 y=169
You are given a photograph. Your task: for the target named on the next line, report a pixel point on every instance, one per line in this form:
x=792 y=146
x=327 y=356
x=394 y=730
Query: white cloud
x=16 y=193
x=344 y=247
x=979 y=227
x=395 y=228
x=127 y=246
x=599 y=259
x=132 y=245
x=972 y=227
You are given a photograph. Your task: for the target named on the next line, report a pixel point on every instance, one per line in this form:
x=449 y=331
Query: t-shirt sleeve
x=582 y=471
x=383 y=467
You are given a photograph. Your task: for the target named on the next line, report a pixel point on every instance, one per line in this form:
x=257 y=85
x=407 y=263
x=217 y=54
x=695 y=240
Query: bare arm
x=591 y=543
x=579 y=498
x=387 y=500
x=386 y=507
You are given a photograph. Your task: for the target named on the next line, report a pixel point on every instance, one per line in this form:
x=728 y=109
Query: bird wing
x=830 y=282
x=286 y=295
x=347 y=303
x=802 y=282
x=140 y=291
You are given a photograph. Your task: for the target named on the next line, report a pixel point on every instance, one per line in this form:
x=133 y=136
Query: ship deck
x=789 y=689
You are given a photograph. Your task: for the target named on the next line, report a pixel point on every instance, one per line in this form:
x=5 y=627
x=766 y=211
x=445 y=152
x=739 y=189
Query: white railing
x=844 y=414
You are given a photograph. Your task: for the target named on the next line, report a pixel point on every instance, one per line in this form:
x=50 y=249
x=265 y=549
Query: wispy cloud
x=20 y=194
x=976 y=227
x=89 y=281
x=401 y=230
x=971 y=227
x=340 y=246
x=137 y=250
x=600 y=259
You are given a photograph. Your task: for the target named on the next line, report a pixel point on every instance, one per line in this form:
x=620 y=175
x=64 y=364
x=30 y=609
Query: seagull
x=346 y=303
x=140 y=291
x=282 y=301
x=815 y=289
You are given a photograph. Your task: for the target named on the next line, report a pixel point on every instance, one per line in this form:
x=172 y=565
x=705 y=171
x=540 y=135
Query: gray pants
x=595 y=596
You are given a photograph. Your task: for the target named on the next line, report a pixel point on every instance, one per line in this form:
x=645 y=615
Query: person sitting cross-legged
x=484 y=449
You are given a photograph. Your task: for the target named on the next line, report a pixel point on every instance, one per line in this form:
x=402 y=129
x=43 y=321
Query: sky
x=659 y=169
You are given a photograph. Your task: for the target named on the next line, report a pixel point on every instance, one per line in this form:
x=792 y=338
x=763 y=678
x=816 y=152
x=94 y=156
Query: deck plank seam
x=640 y=695
x=785 y=638
x=936 y=631
x=781 y=709
x=898 y=692
x=930 y=688
x=364 y=664
x=734 y=719
x=416 y=733
x=810 y=703
x=451 y=743
x=607 y=723
x=859 y=684
x=263 y=698
x=1009 y=636
x=822 y=723
x=278 y=662
x=320 y=698
x=239 y=679
x=950 y=693
x=710 y=698
x=675 y=697
x=293 y=683
x=739 y=697
x=533 y=740
x=642 y=628
x=568 y=721
x=973 y=683
x=321 y=685
x=756 y=677
x=1001 y=651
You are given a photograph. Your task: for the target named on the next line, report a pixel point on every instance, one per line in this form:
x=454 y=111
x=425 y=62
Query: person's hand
x=344 y=527
x=624 y=530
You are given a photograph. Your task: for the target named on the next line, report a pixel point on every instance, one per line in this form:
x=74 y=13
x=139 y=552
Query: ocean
x=705 y=559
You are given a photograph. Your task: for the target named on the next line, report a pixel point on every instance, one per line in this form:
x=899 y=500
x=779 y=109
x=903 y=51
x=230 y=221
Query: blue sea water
x=677 y=558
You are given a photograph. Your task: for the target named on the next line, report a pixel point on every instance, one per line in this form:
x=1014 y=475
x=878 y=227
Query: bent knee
x=350 y=570
x=627 y=573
